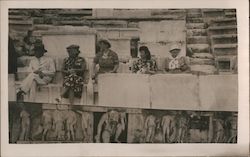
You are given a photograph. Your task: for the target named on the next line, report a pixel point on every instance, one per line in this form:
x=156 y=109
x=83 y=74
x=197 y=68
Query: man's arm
x=51 y=70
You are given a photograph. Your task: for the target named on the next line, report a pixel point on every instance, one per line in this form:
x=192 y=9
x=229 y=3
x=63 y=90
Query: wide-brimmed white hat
x=174 y=46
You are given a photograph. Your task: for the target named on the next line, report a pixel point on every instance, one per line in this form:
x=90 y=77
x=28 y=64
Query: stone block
x=224 y=39
x=129 y=33
x=223 y=21
x=124 y=90
x=222 y=30
x=213 y=12
x=224 y=49
x=133 y=25
x=197 y=40
x=99 y=13
x=203 y=69
x=196 y=32
x=109 y=23
x=198 y=48
x=201 y=61
x=194 y=15
x=166 y=30
x=177 y=92
x=132 y=13
x=219 y=92
x=105 y=33
x=194 y=20
x=56 y=44
x=121 y=46
x=195 y=25
x=203 y=55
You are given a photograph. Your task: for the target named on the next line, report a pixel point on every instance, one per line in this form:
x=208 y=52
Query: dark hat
x=105 y=41
x=39 y=47
x=73 y=47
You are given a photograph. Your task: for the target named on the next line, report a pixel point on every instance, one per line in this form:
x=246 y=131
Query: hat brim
x=105 y=42
x=174 y=49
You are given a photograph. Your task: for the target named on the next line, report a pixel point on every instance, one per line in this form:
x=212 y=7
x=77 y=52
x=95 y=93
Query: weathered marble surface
x=179 y=91
x=124 y=90
x=219 y=92
x=56 y=44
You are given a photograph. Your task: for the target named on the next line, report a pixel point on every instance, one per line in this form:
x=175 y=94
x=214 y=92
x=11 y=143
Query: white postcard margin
x=239 y=149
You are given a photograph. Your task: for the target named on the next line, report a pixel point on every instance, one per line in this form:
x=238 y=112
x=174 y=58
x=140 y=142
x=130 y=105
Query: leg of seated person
x=71 y=96
x=27 y=82
x=36 y=81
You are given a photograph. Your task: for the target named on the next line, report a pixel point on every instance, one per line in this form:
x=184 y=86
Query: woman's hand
x=72 y=71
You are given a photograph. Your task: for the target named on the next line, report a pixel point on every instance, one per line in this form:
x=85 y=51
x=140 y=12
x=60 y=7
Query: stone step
x=20 y=25
x=224 y=39
x=224 y=49
x=196 y=25
x=223 y=21
x=213 y=12
x=109 y=23
x=230 y=14
x=201 y=61
x=203 y=55
x=18 y=22
x=222 y=30
x=42 y=27
x=229 y=10
x=73 y=12
x=133 y=25
x=198 y=48
x=18 y=17
x=197 y=40
x=195 y=20
x=18 y=12
x=196 y=32
x=194 y=15
x=168 y=12
x=74 y=23
x=193 y=10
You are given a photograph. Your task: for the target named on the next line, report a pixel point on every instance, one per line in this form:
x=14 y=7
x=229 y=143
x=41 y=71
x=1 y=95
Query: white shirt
x=44 y=64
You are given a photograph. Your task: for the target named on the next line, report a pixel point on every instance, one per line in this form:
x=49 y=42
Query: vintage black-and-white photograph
x=123 y=75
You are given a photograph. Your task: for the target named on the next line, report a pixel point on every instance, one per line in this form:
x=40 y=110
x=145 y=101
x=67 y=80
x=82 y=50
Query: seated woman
x=74 y=68
x=106 y=59
x=145 y=64
x=176 y=63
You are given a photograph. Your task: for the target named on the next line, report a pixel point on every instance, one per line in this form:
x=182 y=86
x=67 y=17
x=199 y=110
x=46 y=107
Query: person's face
x=72 y=52
x=103 y=46
x=38 y=53
x=142 y=54
x=175 y=53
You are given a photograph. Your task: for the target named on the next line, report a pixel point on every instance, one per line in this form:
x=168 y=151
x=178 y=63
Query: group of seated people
x=42 y=68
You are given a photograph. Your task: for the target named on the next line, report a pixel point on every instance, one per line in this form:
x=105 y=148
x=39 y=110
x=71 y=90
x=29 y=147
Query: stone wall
x=210 y=35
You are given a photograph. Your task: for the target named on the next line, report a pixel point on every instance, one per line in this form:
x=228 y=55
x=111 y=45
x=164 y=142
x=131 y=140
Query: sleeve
x=51 y=67
x=115 y=58
x=96 y=59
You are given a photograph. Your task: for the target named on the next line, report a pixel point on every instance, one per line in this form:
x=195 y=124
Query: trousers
x=30 y=83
